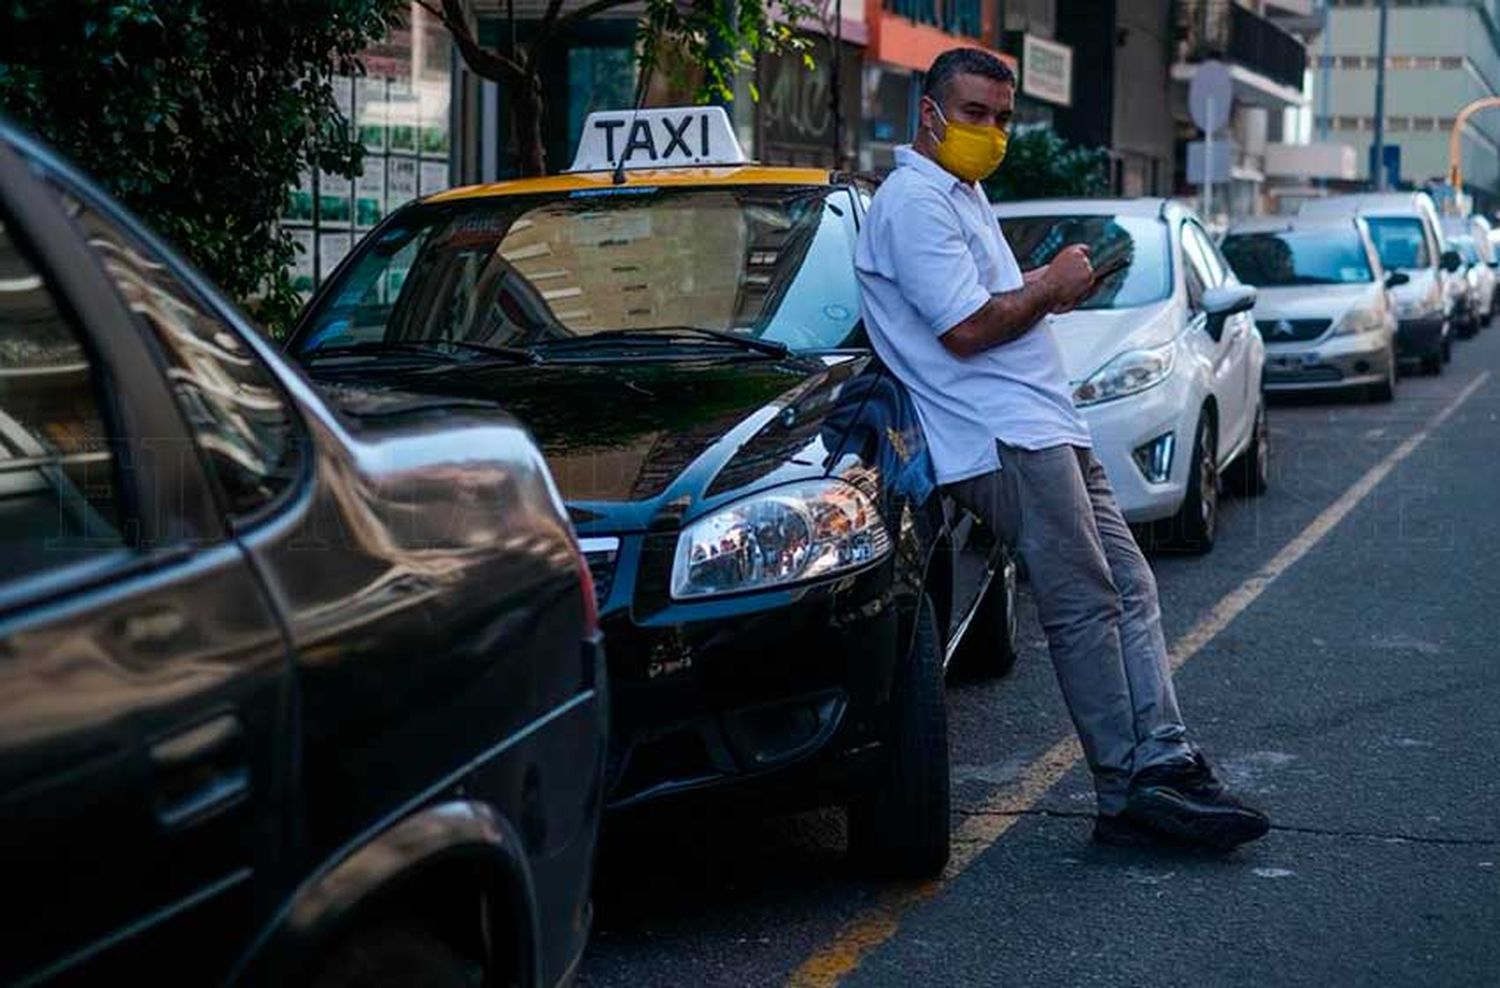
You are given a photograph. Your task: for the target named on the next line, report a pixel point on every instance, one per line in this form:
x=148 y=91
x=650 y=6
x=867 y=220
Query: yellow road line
x=981 y=828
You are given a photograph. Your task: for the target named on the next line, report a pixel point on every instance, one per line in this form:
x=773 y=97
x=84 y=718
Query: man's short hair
x=963 y=61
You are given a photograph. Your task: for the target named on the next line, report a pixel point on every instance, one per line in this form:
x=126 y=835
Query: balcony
x=1219 y=29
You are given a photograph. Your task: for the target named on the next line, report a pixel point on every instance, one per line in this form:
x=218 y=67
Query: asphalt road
x=1347 y=682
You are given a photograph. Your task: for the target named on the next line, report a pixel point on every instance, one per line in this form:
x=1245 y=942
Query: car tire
x=1249 y=475
x=1194 y=526
x=1432 y=363
x=1447 y=351
x=988 y=648
x=1386 y=390
x=395 y=955
x=898 y=828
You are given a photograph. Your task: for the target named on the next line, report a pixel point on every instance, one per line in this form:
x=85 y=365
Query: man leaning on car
x=951 y=313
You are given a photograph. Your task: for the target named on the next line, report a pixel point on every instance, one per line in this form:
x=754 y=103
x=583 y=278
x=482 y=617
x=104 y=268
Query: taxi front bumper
x=1328 y=363
x=1422 y=337
x=781 y=694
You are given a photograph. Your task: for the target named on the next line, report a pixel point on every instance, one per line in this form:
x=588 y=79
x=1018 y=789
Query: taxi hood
x=624 y=440
x=1090 y=338
x=1312 y=301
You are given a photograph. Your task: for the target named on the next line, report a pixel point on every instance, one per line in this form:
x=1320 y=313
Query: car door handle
x=200 y=771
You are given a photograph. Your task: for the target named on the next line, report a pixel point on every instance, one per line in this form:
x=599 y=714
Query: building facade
x=1439 y=56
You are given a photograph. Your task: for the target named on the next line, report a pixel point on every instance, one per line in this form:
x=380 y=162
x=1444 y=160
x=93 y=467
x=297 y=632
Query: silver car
x=1323 y=303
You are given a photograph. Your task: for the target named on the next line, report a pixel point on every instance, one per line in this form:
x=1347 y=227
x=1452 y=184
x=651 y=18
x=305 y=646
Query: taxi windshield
x=1275 y=259
x=773 y=263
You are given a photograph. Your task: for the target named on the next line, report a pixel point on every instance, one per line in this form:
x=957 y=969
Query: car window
x=241 y=421
x=1139 y=240
x=1401 y=242
x=764 y=261
x=1279 y=258
x=1194 y=270
x=59 y=500
x=1201 y=249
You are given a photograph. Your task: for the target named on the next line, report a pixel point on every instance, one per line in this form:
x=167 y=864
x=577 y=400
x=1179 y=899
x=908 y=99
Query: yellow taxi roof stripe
x=580 y=181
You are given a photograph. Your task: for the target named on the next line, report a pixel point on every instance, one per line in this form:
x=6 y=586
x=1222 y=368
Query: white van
x=1408 y=236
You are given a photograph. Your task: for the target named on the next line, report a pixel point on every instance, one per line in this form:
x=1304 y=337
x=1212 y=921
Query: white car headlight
x=786 y=535
x=1130 y=373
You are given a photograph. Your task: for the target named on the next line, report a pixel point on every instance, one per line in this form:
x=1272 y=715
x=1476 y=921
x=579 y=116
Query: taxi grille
x=601 y=554
x=1292 y=330
x=1309 y=375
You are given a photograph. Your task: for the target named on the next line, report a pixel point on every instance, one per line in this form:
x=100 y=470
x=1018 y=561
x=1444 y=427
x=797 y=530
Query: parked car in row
x=297 y=685
x=1324 y=305
x=1165 y=360
x=780 y=583
x=1469 y=236
x=1408 y=238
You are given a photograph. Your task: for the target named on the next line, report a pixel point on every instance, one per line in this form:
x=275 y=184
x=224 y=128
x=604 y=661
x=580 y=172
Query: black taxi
x=780 y=582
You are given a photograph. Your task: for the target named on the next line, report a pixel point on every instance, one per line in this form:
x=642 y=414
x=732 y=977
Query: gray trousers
x=1096 y=597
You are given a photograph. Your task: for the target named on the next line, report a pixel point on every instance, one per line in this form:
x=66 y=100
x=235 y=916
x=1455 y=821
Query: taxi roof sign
x=663 y=138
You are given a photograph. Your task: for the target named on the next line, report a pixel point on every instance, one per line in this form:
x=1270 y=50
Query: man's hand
x=1070 y=277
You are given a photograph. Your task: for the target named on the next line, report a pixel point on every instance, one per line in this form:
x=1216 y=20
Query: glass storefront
x=401 y=110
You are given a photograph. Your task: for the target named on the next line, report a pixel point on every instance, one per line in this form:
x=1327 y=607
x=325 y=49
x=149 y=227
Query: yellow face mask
x=970 y=151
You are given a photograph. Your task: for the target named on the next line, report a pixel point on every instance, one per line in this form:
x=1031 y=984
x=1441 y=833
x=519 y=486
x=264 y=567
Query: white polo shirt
x=930 y=255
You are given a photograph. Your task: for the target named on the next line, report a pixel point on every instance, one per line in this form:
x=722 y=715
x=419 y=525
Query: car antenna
x=642 y=85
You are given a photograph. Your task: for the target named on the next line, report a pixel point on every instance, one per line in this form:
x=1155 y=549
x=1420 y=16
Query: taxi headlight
x=1130 y=373
x=1417 y=308
x=786 y=535
x=1356 y=321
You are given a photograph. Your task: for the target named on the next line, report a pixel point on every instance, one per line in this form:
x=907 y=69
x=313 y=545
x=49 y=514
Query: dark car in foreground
x=294 y=687
x=780 y=583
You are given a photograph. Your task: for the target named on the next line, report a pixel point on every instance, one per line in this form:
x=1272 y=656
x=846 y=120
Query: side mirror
x=1396 y=279
x=1495 y=264
x=1451 y=261
x=1225 y=301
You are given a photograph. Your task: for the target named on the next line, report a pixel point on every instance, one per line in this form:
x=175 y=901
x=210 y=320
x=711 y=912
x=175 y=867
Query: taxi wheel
x=988 y=648
x=394 y=956
x=1196 y=523
x=899 y=827
x=1249 y=474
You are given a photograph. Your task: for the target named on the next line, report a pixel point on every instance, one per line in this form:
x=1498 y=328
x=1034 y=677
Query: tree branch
x=491 y=65
x=543 y=32
x=564 y=23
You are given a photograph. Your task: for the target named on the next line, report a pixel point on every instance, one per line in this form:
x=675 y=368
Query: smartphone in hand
x=1117 y=263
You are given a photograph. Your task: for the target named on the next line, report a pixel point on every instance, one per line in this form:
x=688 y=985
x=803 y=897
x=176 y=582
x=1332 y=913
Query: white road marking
x=842 y=954
x=1272 y=872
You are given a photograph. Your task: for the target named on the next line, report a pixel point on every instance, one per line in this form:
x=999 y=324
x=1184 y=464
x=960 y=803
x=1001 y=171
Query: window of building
x=59 y=501
x=1396 y=124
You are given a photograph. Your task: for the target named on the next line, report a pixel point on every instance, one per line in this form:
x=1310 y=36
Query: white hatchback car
x=1165 y=360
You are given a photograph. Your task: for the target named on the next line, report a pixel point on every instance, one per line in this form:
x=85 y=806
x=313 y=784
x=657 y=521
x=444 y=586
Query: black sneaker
x=1186 y=801
x=1119 y=830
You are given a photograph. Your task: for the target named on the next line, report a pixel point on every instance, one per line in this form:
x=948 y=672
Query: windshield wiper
x=434 y=349
x=668 y=335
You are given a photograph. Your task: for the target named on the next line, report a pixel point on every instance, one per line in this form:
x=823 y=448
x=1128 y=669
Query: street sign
x=1211 y=96
x=1220 y=158
x=1392 y=159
